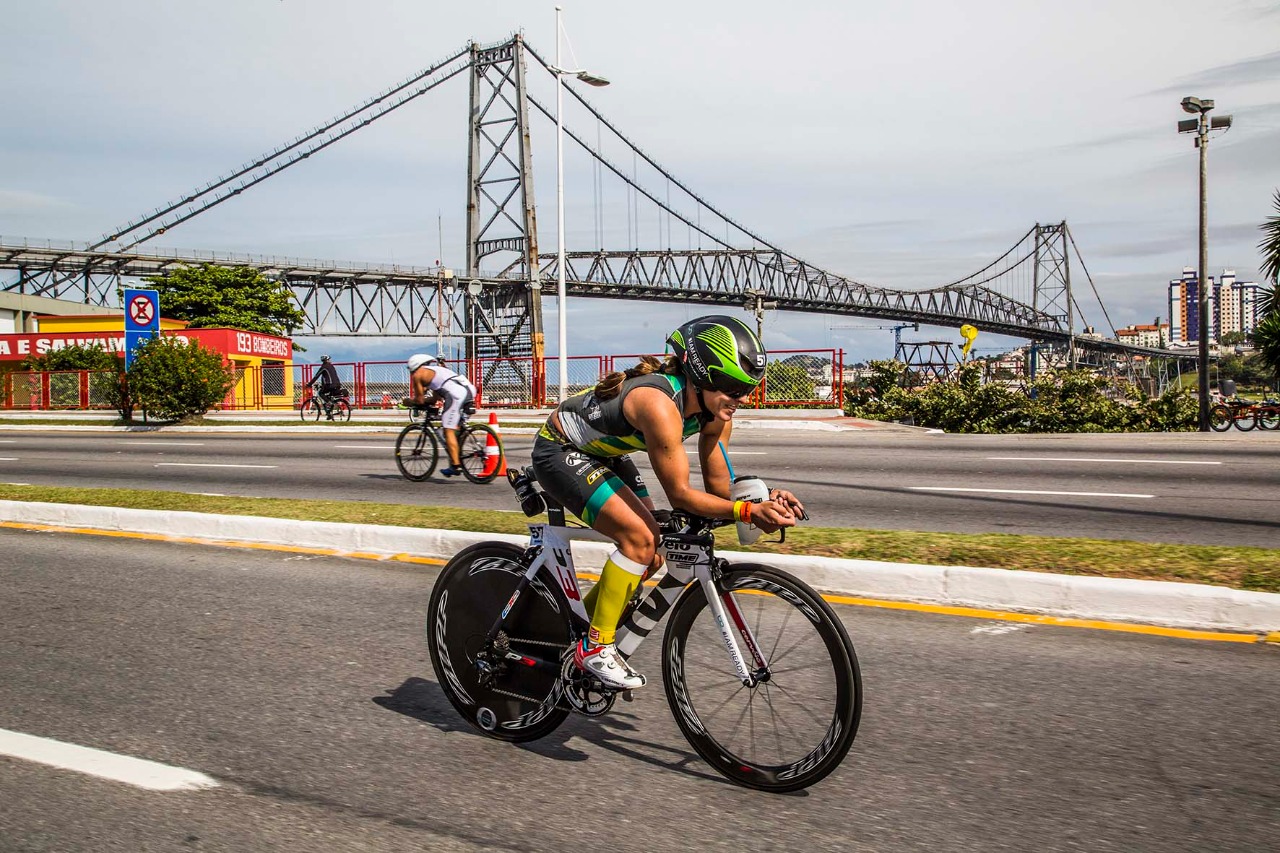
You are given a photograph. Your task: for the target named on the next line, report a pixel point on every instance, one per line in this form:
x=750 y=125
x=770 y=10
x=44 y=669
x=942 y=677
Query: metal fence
x=793 y=378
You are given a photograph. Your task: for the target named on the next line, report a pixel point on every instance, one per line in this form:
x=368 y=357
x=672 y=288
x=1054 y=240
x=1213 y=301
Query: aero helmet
x=720 y=353
x=418 y=360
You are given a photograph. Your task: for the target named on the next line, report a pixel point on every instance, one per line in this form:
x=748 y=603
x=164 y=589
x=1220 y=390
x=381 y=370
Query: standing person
x=580 y=458
x=330 y=385
x=426 y=375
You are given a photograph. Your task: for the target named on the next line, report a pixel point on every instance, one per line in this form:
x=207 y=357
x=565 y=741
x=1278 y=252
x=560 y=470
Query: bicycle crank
x=585 y=693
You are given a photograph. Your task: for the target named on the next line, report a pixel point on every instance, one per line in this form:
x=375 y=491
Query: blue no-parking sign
x=141 y=320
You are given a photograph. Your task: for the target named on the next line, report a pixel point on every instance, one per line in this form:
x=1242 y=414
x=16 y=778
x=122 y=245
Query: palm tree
x=1266 y=337
x=1269 y=302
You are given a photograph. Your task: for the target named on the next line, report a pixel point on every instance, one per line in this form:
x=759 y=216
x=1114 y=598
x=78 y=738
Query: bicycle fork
x=689 y=558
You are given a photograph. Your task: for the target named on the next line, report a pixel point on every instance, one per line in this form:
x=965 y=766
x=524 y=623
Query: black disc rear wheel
x=502 y=698
x=797 y=723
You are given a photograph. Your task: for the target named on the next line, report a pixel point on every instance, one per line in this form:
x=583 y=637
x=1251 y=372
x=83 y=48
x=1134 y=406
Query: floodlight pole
x=1202 y=140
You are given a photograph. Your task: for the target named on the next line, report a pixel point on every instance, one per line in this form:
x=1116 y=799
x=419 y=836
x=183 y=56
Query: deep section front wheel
x=509 y=689
x=480 y=452
x=795 y=725
x=310 y=409
x=416 y=452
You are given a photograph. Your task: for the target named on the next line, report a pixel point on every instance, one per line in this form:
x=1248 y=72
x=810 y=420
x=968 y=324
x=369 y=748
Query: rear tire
x=472 y=590
x=473 y=445
x=744 y=733
x=1269 y=417
x=342 y=411
x=417 y=452
x=1246 y=422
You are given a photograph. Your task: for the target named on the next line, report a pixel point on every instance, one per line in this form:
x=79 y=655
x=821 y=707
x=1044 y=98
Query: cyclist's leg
x=450 y=420
x=589 y=488
x=630 y=476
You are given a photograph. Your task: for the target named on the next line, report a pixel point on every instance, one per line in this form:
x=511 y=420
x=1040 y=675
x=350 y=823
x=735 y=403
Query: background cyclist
x=330 y=385
x=580 y=457
x=427 y=375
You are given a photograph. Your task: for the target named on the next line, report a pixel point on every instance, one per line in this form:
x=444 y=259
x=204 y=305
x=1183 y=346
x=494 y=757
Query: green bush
x=74 y=357
x=1064 y=401
x=172 y=379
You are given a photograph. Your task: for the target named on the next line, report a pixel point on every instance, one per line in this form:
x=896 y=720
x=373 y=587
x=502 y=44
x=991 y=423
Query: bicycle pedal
x=627 y=697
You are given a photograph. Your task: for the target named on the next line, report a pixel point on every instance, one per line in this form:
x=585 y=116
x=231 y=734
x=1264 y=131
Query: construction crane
x=897 y=332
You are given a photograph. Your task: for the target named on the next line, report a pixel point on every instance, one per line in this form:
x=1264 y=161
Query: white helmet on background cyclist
x=419 y=359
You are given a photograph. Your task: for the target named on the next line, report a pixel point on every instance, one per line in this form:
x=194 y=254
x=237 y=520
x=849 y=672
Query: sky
x=900 y=144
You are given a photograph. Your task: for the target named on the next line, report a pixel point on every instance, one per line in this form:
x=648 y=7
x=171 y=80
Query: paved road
x=1161 y=488
x=302 y=685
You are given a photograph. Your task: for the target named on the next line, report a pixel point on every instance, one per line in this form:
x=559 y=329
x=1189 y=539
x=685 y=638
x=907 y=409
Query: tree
x=1270 y=248
x=172 y=379
x=74 y=357
x=211 y=296
x=1266 y=337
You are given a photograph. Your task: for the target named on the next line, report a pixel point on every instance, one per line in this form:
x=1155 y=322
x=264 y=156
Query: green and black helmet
x=720 y=354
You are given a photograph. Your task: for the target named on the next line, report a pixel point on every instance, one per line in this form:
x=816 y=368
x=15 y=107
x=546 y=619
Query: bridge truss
x=1026 y=292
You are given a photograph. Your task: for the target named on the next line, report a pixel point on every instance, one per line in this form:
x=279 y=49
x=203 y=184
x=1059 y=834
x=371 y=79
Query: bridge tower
x=1052 y=290
x=504 y=321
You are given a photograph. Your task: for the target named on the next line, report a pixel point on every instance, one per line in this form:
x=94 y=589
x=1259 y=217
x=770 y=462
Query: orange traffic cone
x=495 y=461
x=386 y=400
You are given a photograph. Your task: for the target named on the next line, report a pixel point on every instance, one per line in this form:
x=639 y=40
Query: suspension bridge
x=495 y=303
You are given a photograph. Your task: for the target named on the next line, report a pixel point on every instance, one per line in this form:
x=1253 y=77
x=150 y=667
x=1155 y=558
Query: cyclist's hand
x=793 y=503
x=770 y=516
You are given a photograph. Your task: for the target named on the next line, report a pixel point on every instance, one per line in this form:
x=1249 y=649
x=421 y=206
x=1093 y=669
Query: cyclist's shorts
x=582 y=482
x=459 y=395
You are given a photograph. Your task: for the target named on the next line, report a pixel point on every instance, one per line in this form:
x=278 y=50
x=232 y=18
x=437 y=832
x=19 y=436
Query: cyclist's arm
x=650 y=411
x=419 y=385
x=715 y=473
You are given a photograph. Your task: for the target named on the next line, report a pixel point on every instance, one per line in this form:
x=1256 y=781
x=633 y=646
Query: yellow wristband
x=737 y=510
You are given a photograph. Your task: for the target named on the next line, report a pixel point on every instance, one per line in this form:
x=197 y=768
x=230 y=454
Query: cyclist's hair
x=608 y=387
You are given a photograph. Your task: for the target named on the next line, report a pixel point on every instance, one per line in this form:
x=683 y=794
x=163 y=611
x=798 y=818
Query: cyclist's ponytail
x=609 y=387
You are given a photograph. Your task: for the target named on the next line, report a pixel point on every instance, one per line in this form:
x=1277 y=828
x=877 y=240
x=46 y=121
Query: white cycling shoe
x=606 y=664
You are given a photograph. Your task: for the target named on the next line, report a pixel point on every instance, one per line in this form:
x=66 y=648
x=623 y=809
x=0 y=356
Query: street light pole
x=563 y=351
x=1200 y=126
x=561 y=295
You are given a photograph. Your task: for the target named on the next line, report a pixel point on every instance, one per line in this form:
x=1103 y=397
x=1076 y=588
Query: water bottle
x=751 y=489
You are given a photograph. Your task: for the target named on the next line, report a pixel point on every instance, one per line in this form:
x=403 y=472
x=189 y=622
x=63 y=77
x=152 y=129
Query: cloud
x=1257 y=69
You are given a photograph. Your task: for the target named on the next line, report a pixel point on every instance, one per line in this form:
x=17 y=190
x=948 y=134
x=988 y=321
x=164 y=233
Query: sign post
x=141 y=320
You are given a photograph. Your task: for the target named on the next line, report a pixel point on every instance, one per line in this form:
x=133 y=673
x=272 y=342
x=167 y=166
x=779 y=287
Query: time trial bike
x=419 y=445
x=759 y=672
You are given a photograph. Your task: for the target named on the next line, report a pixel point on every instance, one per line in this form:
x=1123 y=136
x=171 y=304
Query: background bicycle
x=759 y=672
x=421 y=444
x=334 y=407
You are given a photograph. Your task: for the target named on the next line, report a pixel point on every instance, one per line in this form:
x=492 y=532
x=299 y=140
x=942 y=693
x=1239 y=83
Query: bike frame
x=690 y=558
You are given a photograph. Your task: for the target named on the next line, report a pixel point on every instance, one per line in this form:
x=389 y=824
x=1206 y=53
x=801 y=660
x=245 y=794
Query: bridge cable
x=1080 y=258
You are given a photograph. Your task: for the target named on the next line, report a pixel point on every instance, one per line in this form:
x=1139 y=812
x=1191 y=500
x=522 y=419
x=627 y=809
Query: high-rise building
x=1233 y=306
x=1238 y=311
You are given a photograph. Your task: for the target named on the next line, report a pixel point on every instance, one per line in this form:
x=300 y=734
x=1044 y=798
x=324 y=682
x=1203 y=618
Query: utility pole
x=758 y=304
x=1200 y=126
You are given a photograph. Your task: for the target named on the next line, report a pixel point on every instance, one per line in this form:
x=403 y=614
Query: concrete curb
x=1176 y=605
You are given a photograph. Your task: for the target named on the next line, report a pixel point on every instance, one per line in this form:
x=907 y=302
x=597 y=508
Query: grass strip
x=1241 y=568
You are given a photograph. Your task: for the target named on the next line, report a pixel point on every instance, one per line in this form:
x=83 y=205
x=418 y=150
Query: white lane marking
x=1077 y=459
x=998 y=628
x=208 y=465
x=8 y=459
x=365 y=446
x=1027 y=492
x=106 y=765
x=735 y=453
x=165 y=443
x=17 y=484
x=8 y=440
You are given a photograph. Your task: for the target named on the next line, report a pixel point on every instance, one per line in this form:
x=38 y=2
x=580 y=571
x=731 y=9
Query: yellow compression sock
x=606 y=601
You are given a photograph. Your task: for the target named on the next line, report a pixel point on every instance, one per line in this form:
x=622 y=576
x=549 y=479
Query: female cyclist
x=580 y=457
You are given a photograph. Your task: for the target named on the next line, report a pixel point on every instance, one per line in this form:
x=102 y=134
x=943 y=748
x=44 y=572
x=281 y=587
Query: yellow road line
x=945 y=610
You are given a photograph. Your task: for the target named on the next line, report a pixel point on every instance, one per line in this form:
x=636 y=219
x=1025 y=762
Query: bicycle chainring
x=585 y=693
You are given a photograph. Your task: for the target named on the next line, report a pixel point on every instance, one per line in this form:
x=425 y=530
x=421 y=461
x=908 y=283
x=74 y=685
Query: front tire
x=1246 y=421
x=416 y=452
x=803 y=713
x=518 y=703
x=1269 y=417
x=1219 y=419
x=310 y=409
